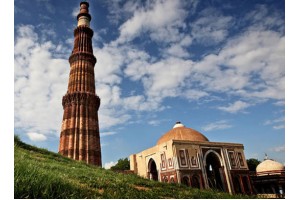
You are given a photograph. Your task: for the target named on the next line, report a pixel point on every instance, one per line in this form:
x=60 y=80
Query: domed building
x=269 y=180
x=269 y=167
x=184 y=155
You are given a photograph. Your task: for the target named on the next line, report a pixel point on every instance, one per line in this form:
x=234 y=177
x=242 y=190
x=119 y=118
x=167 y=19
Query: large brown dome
x=180 y=132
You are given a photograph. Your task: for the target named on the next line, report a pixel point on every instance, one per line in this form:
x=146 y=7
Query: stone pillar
x=80 y=135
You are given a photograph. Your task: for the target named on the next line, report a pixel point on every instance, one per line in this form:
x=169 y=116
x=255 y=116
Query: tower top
x=84 y=16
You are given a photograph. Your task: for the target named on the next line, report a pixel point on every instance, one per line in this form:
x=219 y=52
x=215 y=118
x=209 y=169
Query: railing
x=273 y=172
x=271 y=196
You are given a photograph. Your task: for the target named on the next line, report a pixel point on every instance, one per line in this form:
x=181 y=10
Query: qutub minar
x=79 y=137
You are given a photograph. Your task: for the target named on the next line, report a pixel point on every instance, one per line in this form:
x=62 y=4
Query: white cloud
x=103 y=144
x=178 y=51
x=166 y=78
x=279 y=103
x=107 y=69
x=160 y=18
x=109 y=164
x=251 y=65
x=264 y=16
x=194 y=94
x=136 y=70
x=211 y=27
x=112 y=58
x=36 y=136
x=277 y=123
x=218 y=125
x=277 y=127
x=154 y=122
x=178 y=48
x=75 y=11
x=118 y=9
x=278 y=149
x=234 y=107
x=274 y=121
x=103 y=134
x=40 y=83
x=111 y=117
x=49 y=7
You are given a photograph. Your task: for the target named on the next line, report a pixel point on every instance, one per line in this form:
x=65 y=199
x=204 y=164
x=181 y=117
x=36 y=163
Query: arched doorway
x=214 y=172
x=246 y=185
x=172 y=180
x=195 y=181
x=152 y=170
x=165 y=179
x=236 y=184
x=185 y=181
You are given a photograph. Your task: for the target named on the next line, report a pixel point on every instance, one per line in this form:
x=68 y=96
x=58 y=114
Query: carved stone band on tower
x=79 y=137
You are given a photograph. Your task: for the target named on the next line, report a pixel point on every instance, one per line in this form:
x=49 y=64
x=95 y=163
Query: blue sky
x=217 y=66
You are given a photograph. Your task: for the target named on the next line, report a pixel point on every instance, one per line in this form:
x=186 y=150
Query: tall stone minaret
x=79 y=137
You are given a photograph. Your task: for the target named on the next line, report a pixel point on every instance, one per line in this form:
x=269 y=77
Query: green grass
x=39 y=173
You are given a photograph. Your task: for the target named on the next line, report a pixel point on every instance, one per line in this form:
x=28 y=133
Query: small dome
x=269 y=165
x=180 y=132
x=178 y=124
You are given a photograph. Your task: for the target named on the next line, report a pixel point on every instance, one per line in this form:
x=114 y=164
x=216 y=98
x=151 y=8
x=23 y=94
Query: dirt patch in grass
x=140 y=187
x=101 y=190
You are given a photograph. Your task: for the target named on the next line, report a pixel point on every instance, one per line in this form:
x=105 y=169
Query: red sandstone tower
x=79 y=137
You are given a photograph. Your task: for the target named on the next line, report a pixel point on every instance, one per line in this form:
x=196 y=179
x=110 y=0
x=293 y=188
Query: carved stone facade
x=79 y=138
x=183 y=155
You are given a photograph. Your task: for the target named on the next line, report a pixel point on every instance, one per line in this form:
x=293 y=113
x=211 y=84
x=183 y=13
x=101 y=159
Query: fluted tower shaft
x=79 y=137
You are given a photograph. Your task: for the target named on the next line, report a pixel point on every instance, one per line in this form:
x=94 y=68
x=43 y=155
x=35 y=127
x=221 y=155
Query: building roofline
x=208 y=143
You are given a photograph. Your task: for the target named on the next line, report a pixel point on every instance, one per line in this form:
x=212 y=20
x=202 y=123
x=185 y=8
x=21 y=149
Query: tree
x=252 y=164
x=122 y=164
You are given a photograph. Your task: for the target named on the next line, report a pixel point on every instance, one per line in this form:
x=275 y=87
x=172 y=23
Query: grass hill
x=39 y=173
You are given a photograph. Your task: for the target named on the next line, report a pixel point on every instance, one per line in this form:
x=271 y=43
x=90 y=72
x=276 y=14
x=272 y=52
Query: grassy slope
x=39 y=173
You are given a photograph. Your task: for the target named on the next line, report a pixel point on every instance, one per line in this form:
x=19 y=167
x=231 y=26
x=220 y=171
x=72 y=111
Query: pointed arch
x=214 y=170
x=195 y=181
x=185 y=180
x=152 y=169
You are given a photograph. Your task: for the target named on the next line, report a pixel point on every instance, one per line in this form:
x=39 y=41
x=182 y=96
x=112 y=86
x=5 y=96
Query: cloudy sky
x=217 y=66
